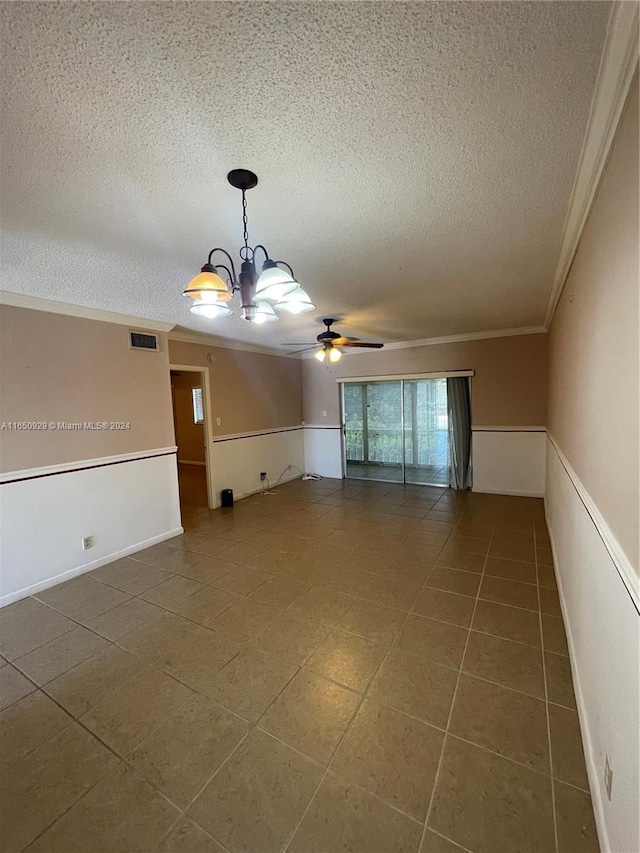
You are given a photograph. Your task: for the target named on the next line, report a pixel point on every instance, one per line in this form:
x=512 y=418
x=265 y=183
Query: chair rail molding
x=618 y=557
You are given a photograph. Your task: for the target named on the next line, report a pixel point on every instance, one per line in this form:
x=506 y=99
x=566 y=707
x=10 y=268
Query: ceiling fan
x=328 y=343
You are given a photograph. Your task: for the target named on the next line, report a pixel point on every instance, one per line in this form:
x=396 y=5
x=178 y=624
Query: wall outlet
x=263 y=475
x=87 y=542
x=608 y=776
x=218 y=421
x=324 y=413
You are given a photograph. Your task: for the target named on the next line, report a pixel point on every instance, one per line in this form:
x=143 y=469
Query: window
x=198 y=410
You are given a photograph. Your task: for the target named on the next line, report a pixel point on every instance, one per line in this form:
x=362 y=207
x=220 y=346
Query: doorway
x=397 y=431
x=189 y=399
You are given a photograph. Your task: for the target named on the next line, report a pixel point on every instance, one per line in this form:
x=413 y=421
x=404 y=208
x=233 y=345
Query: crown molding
x=19 y=300
x=224 y=343
x=469 y=336
x=449 y=339
x=34 y=303
x=618 y=65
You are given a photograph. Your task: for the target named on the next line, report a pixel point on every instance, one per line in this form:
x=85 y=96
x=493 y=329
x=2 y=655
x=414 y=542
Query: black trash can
x=227 y=497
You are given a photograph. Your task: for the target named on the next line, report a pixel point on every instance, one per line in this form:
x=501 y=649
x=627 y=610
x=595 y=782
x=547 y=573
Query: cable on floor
x=276 y=491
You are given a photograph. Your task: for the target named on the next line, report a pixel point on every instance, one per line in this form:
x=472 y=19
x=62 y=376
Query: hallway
x=192 y=482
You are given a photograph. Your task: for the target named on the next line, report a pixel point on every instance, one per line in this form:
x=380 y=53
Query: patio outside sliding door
x=373 y=415
x=426 y=432
x=397 y=431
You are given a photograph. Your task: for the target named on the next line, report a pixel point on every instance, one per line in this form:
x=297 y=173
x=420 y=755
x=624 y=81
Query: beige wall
x=249 y=391
x=509 y=387
x=58 y=368
x=593 y=401
x=189 y=435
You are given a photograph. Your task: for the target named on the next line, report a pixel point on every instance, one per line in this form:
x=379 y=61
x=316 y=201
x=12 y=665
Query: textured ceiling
x=416 y=160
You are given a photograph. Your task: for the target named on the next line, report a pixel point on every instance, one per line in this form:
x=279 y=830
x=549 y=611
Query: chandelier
x=275 y=288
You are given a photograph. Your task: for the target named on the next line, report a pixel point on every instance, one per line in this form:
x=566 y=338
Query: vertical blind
x=198 y=409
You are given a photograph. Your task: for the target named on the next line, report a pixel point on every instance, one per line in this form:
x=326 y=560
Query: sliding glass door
x=397 y=430
x=373 y=430
x=426 y=431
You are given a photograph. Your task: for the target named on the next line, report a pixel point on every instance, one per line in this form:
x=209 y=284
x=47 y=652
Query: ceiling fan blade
x=360 y=344
x=343 y=340
x=298 y=351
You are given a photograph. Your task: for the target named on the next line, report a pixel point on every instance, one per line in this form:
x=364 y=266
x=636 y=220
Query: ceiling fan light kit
x=210 y=293
x=328 y=352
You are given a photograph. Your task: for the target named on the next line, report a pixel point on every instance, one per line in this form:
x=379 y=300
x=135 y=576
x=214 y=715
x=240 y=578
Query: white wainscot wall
x=124 y=506
x=509 y=461
x=323 y=451
x=599 y=597
x=236 y=461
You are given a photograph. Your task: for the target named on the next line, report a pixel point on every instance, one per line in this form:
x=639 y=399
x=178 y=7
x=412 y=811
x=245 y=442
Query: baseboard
x=87 y=567
x=593 y=772
x=188 y=462
x=513 y=493
x=242 y=495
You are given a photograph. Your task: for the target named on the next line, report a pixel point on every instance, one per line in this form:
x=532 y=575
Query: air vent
x=142 y=340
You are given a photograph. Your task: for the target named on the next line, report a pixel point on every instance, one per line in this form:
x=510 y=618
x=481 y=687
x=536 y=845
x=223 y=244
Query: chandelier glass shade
x=275 y=284
x=259 y=313
x=211 y=310
x=274 y=287
x=296 y=301
x=207 y=286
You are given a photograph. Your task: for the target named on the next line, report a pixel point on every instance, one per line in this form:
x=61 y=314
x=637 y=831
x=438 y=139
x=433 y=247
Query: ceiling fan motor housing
x=330 y=341
x=327 y=336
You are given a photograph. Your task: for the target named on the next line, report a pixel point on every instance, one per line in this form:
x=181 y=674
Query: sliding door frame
x=364 y=380
x=365 y=424
x=414 y=422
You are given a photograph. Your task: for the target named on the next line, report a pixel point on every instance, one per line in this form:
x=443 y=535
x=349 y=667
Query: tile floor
x=436 y=475
x=355 y=667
